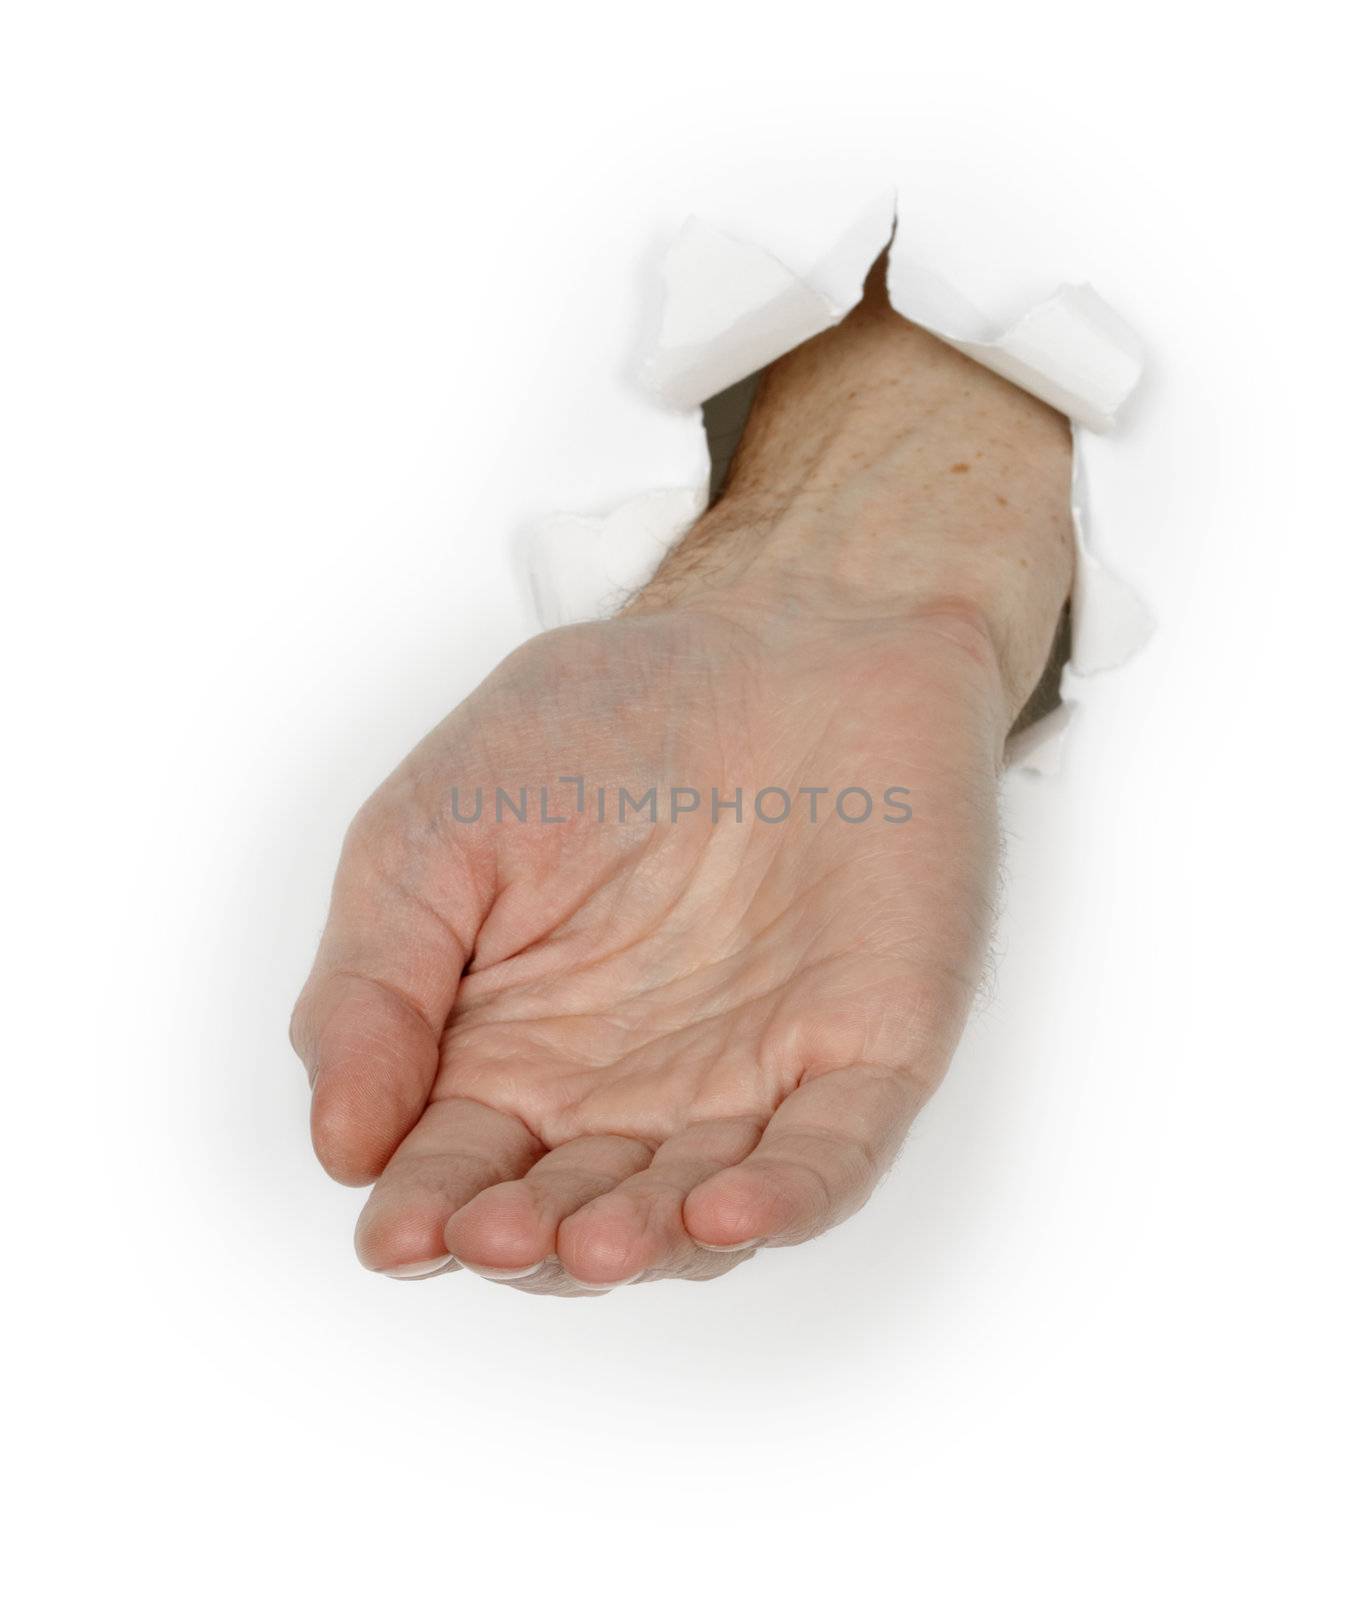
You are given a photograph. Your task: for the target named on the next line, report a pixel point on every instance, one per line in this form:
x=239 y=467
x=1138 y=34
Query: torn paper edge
x=731 y=308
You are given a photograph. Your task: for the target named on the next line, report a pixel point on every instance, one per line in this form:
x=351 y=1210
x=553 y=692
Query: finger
x=509 y=1231
x=457 y=1148
x=371 y=1016
x=823 y=1152
x=550 y=1280
x=637 y=1228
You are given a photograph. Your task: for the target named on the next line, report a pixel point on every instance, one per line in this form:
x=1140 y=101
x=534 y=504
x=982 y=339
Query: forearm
x=881 y=473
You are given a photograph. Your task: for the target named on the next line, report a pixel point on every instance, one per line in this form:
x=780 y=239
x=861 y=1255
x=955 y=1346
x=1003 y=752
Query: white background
x=307 y=310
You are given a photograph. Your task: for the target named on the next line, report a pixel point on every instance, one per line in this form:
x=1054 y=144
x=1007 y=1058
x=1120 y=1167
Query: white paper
x=731 y=308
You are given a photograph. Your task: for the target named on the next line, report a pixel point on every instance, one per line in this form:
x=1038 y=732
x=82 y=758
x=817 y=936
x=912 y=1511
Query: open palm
x=574 y=1049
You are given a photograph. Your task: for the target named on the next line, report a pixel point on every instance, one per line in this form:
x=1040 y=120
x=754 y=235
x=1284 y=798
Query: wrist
x=771 y=564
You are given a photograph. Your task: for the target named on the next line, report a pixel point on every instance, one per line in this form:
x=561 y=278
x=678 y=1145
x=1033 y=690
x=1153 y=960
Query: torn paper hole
x=730 y=308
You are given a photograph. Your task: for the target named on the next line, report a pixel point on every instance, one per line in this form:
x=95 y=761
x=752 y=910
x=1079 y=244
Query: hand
x=575 y=1052
x=673 y=1041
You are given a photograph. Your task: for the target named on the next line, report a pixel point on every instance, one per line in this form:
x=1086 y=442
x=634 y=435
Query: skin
x=576 y=1054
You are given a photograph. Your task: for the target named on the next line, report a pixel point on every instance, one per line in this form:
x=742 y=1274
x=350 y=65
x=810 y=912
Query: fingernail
x=729 y=1249
x=616 y=1283
x=503 y=1274
x=418 y=1269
